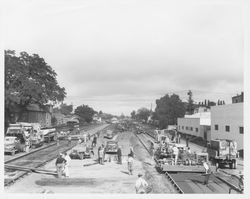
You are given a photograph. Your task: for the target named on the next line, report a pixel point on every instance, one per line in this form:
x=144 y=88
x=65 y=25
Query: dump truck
x=223 y=152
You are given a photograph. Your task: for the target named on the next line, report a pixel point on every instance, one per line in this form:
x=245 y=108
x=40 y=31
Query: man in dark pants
x=207 y=172
x=119 y=155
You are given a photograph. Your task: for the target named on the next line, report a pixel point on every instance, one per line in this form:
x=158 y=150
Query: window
x=196 y=129
x=191 y=128
x=182 y=127
x=227 y=128
x=216 y=127
x=241 y=129
x=186 y=128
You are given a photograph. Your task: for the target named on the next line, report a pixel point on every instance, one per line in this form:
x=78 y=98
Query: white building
x=197 y=125
x=227 y=123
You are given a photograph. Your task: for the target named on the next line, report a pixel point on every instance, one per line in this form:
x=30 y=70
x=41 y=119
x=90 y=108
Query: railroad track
x=193 y=182
x=38 y=158
x=173 y=183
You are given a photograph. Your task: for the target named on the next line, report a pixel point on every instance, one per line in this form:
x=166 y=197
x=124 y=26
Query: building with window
x=227 y=123
x=197 y=125
x=238 y=98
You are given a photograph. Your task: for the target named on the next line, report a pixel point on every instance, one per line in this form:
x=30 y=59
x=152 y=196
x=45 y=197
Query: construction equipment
x=36 y=137
x=49 y=134
x=223 y=152
x=17 y=138
x=82 y=151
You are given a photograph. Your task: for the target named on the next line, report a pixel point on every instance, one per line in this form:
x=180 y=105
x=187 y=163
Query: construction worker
x=60 y=165
x=179 y=138
x=85 y=137
x=132 y=152
x=207 y=172
x=101 y=155
x=175 y=153
x=66 y=167
x=141 y=185
x=119 y=155
x=69 y=140
x=27 y=146
x=94 y=141
x=130 y=164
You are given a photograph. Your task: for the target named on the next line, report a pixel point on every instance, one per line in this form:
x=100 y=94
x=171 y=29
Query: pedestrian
x=60 y=164
x=141 y=185
x=66 y=168
x=175 y=153
x=119 y=155
x=88 y=136
x=130 y=164
x=207 y=172
x=69 y=140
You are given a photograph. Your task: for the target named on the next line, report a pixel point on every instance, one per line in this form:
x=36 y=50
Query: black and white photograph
x=124 y=97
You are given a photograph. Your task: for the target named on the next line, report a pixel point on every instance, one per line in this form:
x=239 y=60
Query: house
x=37 y=114
x=197 y=124
x=227 y=122
x=238 y=98
x=96 y=118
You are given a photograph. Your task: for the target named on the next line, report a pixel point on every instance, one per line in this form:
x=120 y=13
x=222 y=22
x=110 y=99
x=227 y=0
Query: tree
x=143 y=114
x=168 y=109
x=133 y=114
x=29 y=79
x=122 y=116
x=85 y=112
x=66 y=109
x=190 y=105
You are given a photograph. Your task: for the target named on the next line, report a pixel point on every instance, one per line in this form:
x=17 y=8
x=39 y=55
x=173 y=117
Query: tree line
x=169 y=108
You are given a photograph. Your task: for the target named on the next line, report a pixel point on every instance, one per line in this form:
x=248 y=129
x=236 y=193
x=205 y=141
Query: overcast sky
x=120 y=55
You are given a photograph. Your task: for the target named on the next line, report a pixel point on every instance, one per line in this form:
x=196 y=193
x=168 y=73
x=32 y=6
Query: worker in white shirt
x=207 y=172
x=66 y=168
x=140 y=185
x=176 y=154
x=130 y=164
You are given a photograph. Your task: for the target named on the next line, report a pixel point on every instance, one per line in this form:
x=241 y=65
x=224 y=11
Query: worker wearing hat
x=140 y=185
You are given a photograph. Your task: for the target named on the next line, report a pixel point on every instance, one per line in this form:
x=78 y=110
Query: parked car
x=111 y=147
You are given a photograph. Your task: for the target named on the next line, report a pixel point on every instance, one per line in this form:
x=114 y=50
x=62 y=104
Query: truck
x=17 y=139
x=223 y=152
